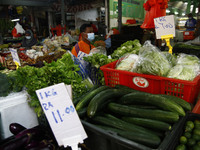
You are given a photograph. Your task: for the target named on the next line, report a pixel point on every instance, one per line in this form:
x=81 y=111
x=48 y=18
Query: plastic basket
x=187 y=90
x=99 y=139
x=179 y=131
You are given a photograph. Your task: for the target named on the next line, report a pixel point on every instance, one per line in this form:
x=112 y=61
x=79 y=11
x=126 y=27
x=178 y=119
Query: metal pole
x=107 y=16
x=119 y=15
x=63 y=12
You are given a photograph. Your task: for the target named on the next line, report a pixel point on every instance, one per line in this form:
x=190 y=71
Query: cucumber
x=148 y=123
x=133 y=125
x=157 y=100
x=160 y=115
x=179 y=101
x=82 y=112
x=144 y=106
x=76 y=100
x=98 y=100
x=120 y=124
x=118 y=86
x=137 y=137
x=84 y=102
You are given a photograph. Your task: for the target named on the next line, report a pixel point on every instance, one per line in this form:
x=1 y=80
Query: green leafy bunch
x=96 y=61
x=63 y=70
x=131 y=47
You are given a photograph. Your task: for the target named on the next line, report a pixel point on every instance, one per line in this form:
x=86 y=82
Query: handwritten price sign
x=15 y=56
x=164 y=26
x=61 y=115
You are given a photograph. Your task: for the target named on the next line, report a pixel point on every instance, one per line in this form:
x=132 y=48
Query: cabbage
x=187 y=68
x=127 y=62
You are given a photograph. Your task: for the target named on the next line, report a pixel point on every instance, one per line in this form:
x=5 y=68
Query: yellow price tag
x=167 y=39
x=17 y=64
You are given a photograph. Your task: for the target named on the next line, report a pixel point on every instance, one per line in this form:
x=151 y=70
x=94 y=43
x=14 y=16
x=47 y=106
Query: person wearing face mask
x=29 y=40
x=85 y=44
x=190 y=24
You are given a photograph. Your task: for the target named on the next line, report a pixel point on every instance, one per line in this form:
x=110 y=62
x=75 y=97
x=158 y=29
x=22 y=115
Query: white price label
x=61 y=115
x=164 y=26
x=15 y=56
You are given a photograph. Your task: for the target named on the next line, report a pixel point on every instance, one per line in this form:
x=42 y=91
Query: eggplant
x=15 y=128
x=43 y=145
x=32 y=144
x=35 y=132
x=17 y=143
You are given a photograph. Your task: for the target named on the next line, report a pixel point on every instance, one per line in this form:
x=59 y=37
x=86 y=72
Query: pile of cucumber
x=138 y=116
x=190 y=139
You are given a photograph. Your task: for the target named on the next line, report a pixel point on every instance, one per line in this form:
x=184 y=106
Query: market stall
x=133 y=97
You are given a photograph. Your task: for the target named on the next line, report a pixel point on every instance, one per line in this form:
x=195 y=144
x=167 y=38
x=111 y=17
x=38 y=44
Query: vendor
x=84 y=45
x=29 y=40
x=190 y=24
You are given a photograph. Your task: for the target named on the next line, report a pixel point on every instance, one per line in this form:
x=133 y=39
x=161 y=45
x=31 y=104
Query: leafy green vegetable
x=96 y=61
x=152 y=61
x=63 y=70
x=171 y=58
x=131 y=47
x=187 y=68
x=5 y=87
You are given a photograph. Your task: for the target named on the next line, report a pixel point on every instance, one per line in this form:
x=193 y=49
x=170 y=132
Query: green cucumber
x=160 y=115
x=148 y=123
x=157 y=100
x=120 y=124
x=76 y=100
x=82 y=112
x=137 y=137
x=145 y=130
x=85 y=100
x=179 y=101
x=98 y=100
x=144 y=106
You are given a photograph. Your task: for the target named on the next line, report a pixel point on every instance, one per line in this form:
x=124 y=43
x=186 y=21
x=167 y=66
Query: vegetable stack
x=138 y=116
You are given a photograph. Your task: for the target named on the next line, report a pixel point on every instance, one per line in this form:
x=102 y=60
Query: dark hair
x=84 y=26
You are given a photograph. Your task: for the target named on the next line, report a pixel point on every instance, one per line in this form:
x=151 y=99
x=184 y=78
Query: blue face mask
x=90 y=36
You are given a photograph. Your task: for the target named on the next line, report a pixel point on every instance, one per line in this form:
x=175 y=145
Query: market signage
x=61 y=115
x=164 y=26
x=15 y=56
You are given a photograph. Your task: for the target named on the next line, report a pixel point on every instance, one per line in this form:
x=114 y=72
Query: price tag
x=61 y=115
x=15 y=56
x=164 y=26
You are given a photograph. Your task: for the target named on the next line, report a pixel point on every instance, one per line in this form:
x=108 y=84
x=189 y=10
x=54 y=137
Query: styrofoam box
x=15 y=109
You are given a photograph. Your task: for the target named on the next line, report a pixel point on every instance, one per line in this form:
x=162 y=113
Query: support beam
x=119 y=15
x=63 y=12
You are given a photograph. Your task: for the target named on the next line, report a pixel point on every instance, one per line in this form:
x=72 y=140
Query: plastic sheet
x=127 y=62
x=187 y=68
x=152 y=61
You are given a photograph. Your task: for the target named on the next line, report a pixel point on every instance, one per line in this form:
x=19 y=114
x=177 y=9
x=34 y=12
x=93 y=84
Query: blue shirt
x=191 y=23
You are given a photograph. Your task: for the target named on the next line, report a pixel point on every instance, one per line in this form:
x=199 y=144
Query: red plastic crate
x=188 y=35
x=196 y=108
x=187 y=90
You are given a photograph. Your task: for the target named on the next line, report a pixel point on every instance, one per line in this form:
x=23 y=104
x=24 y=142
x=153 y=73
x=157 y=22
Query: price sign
x=15 y=56
x=61 y=115
x=164 y=26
